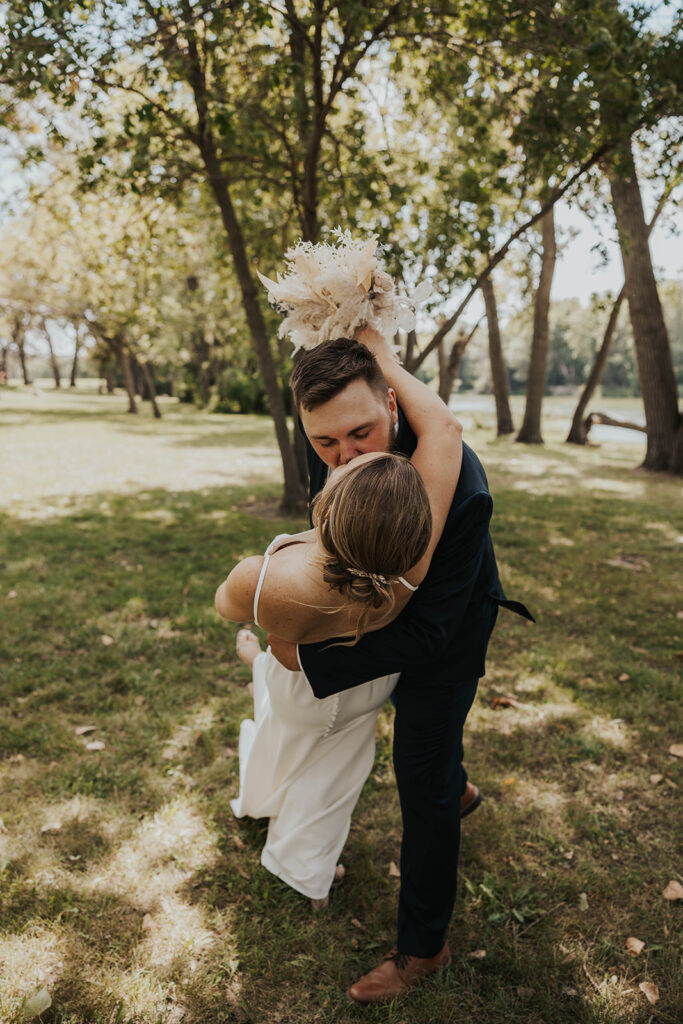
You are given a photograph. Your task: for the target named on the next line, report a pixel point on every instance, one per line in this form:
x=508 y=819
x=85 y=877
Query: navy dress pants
x=428 y=752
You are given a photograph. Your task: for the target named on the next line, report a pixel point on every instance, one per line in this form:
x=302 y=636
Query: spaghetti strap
x=266 y=559
x=405 y=584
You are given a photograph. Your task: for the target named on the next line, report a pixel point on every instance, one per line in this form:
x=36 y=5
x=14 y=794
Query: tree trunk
x=499 y=372
x=18 y=336
x=294 y=496
x=121 y=349
x=653 y=351
x=530 y=432
x=448 y=368
x=578 y=432
x=411 y=347
x=74 y=364
x=148 y=374
x=53 y=359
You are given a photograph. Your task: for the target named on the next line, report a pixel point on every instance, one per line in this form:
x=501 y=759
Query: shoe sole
x=472 y=805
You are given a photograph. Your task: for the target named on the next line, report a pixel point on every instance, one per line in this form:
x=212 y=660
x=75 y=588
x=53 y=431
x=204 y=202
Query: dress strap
x=266 y=559
x=406 y=584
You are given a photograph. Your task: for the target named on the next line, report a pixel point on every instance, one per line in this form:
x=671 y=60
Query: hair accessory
x=331 y=291
x=376 y=577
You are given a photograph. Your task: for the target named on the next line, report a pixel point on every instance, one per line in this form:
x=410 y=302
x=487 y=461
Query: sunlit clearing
x=157 y=515
x=29 y=962
x=632 y=488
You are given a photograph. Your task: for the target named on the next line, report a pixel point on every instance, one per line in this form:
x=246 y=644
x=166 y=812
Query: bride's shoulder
x=235 y=597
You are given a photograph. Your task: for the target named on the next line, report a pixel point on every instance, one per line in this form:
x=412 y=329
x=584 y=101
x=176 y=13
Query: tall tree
x=530 y=431
x=650 y=336
x=499 y=373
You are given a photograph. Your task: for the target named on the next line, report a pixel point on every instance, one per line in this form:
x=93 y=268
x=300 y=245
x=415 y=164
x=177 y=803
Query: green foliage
x=240 y=390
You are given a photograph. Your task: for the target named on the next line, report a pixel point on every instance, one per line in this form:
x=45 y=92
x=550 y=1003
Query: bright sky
x=579 y=273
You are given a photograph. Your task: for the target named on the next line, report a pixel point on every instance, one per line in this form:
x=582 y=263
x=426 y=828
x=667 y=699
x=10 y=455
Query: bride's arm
x=235 y=597
x=438 y=455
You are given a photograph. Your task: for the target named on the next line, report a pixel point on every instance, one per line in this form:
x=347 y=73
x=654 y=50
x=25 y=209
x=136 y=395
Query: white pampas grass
x=332 y=291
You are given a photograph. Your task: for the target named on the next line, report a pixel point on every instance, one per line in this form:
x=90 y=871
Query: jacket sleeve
x=420 y=634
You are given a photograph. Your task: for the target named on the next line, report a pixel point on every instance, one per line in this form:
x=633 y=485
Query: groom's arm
x=420 y=634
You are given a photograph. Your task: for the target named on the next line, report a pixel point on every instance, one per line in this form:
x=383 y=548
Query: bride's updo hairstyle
x=374 y=522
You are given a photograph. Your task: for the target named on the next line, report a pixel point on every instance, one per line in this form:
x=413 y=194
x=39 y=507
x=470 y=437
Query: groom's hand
x=284 y=652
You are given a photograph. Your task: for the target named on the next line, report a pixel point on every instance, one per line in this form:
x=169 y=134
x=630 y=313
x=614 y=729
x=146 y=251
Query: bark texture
x=578 y=432
x=530 y=432
x=499 y=372
x=651 y=339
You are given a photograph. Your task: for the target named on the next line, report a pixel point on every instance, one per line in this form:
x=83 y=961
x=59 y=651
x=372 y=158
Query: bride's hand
x=376 y=342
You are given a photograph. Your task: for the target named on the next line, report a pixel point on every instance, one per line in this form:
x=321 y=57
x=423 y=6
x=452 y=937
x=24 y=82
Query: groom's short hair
x=322 y=372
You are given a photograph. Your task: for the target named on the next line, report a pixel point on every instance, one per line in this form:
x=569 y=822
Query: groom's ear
x=393 y=405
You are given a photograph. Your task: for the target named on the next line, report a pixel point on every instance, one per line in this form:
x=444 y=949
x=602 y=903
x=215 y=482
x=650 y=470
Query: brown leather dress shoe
x=470 y=800
x=396 y=974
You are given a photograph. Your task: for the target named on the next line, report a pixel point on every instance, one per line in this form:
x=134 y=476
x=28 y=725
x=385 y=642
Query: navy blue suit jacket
x=443 y=632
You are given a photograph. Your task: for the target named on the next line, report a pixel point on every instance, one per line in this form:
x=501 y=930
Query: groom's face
x=355 y=421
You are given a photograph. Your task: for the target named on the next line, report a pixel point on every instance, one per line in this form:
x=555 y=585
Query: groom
x=437 y=643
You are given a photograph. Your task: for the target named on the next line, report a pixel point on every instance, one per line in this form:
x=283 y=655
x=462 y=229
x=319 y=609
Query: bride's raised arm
x=438 y=455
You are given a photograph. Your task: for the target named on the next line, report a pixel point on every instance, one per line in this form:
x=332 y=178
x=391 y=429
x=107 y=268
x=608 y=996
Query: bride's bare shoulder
x=293 y=593
x=235 y=596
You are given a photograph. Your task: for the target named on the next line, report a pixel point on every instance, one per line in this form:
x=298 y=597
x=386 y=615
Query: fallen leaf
x=356 y=923
x=107 y=640
x=506 y=702
x=51 y=826
x=670 y=782
x=238 y=843
x=95 y=745
x=355 y=943
x=635 y=562
x=140 y=700
x=39 y=1002
x=477 y=954
x=624 y=677
x=228 y=752
x=650 y=991
x=243 y=873
x=12 y=594
x=583 y=901
x=83 y=730
x=148 y=923
x=673 y=891
x=156 y=673
x=569 y=855
x=635 y=946
x=509 y=781
x=393 y=871
x=676 y=749
x=168 y=754
x=655 y=778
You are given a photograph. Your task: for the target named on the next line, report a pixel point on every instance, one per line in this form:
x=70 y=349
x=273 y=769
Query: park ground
x=128 y=891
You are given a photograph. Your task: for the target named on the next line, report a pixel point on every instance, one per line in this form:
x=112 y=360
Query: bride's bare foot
x=323 y=904
x=247 y=646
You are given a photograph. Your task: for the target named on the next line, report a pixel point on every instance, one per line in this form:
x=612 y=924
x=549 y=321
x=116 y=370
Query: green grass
x=148 y=904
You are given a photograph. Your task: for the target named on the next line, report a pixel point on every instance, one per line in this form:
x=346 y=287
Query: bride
x=376 y=523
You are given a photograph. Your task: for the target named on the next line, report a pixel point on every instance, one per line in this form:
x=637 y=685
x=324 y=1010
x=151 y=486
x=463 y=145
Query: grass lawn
x=128 y=890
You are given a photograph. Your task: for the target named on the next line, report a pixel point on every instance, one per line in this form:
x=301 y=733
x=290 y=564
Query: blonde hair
x=374 y=523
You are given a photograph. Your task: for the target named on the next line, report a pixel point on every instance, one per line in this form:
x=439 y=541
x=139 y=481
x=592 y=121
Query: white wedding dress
x=303 y=762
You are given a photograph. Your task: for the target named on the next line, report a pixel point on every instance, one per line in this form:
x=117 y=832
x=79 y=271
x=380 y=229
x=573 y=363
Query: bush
x=240 y=390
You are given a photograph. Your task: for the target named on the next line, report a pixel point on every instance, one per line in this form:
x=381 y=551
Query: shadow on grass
x=111 y=625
